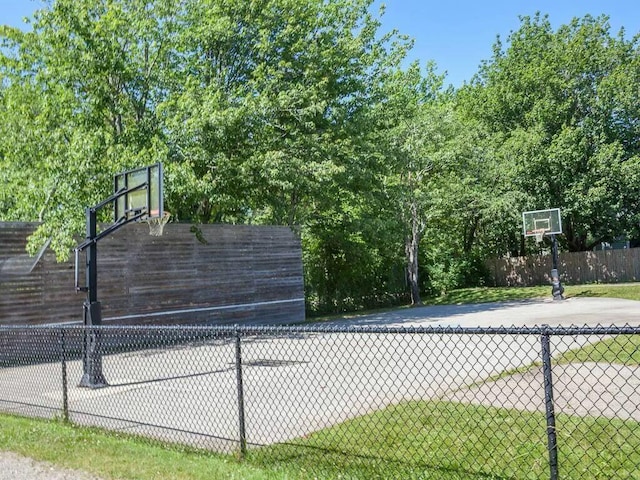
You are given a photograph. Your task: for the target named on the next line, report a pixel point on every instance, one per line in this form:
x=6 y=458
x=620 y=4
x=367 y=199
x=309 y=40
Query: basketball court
x=300 y=382
x=296 y=382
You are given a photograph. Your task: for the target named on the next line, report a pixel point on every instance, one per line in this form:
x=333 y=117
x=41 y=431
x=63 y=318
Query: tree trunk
x=411 y=249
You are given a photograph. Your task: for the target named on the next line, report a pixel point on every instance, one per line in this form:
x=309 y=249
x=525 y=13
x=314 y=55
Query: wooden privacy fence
x=225 y=274
x=609 y=266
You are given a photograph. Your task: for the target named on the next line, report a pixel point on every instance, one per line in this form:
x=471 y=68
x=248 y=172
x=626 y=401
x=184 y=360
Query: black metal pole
x=92 y=259
x=552 y=443
x=557 y=289
x=92 y=362
x=241 y=422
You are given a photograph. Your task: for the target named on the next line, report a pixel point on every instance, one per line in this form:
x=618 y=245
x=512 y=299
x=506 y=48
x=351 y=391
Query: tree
x=269 y=114
x=557 y=104
x=79 y=95
x=272 y=125
x=259 y=111
x=254 y=107
x=424 y=155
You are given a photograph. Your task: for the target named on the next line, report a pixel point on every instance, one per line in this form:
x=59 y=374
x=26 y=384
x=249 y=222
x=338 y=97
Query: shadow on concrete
x=430 y=314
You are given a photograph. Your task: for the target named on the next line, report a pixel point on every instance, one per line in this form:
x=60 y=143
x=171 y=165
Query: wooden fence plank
x=140 y=276
x=575 y=268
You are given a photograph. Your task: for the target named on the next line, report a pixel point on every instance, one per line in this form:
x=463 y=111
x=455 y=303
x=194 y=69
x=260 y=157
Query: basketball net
x=540 y=235
x=156 y=224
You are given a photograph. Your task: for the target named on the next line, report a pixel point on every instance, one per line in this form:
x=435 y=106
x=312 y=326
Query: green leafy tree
x=267 y=114
x=425 y=158
x=79 y=96
x=272 y=121
x=259 y=111
x=558 y=104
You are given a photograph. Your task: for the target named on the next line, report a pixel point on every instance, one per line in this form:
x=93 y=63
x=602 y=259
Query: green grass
x=414 y=440
x=629 y=291
x=444 y=440
x=417 y=440
x=486 y=294
x=455 y=297
x=620 y=349
x=506 y=373
x=111 y=456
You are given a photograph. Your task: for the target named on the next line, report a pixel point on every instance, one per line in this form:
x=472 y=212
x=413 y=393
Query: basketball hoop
x=539 y=234
x=156 y=224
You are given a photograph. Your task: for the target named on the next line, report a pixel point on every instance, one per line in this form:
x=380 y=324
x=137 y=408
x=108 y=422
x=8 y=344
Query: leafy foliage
x=556 y=103
x=303 y=113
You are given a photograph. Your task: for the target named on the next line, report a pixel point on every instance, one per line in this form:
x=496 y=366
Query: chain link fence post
x=549 y=407
x=241 y=424
x=63 y=361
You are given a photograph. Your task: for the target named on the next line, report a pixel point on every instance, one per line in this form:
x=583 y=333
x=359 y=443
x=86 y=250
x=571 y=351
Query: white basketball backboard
x=545 y=222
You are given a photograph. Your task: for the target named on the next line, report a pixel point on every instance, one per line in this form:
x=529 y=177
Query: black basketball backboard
x=144 y=196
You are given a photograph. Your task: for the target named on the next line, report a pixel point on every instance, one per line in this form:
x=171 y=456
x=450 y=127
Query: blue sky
x=457 y=35
x=13 y=11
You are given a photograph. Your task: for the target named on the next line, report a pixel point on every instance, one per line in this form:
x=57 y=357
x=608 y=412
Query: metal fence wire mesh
x=536 y=402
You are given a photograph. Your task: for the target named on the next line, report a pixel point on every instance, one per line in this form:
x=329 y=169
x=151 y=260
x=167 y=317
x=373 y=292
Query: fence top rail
x=267 y=330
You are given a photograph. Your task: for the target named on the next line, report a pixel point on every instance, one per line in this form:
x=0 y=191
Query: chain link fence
x=534 y=403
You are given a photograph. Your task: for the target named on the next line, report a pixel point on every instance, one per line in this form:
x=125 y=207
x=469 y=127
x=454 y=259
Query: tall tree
x=422 y=147
x=558 y=102
x=79 y=99
x=254 y=107
x=272 y=125
x=259 y=111
x=269 y=114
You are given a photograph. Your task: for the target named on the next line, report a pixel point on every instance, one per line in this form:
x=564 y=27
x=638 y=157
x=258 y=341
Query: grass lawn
x=629 y=291
x=621 y=349
x=444 y=440
x=112 y=456
x=414 y=440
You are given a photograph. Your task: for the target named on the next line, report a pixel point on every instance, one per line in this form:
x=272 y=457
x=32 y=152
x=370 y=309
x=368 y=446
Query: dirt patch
x=13 y=466
x=586 y=389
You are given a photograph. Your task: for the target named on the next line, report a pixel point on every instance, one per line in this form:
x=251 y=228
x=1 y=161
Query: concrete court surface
x=571 y=311
x=297 y=384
